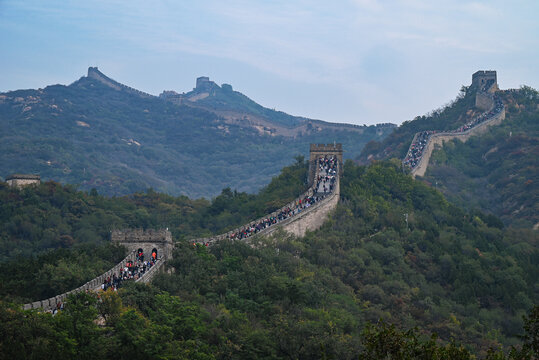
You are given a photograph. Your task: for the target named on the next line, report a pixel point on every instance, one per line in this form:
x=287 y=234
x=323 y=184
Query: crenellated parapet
x=147 y=240
x=92 y=285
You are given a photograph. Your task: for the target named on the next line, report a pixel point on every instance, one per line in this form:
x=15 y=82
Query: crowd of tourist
x=413 y=157
x=416 y=148
x=325 y=183
x=131 y=270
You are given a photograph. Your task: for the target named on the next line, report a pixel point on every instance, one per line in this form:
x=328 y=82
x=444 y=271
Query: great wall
x=485 y=83
x=307 y=218
x=160 y=241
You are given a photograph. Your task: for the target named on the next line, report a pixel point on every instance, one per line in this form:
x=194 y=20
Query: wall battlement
x=320 y=150
x=485 y=81
x=147 y=240
x=141 y=235
x=309 y=219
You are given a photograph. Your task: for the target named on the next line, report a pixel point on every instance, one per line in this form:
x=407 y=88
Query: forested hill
x=496 y=172
x=394 y=249
x=119 y=142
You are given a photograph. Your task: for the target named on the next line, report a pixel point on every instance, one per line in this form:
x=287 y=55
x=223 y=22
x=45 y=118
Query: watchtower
x=149 y=240
x=20 y=180
x=485 y=80
x=318 y=151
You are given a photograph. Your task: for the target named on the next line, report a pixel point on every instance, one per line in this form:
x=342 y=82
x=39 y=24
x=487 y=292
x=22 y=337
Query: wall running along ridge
x=484 y=100
x=92 y=285
x=440 y=138
x=308 y=219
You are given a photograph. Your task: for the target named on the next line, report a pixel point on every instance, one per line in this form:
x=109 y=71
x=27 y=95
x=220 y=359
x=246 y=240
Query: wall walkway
x=94 y=285
x=495 y=117
x=308 y=219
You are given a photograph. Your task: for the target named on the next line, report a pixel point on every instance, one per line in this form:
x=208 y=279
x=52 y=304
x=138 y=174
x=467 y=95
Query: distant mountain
x=238 y=109
x=101 y=134
x=496 y=172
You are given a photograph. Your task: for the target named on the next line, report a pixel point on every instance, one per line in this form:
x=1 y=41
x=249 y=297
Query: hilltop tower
x=486 y=84
x=20 y=180
x=320 y=150
x=485 y=80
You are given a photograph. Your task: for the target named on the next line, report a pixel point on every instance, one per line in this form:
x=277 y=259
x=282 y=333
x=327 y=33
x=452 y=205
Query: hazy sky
x=356 y=61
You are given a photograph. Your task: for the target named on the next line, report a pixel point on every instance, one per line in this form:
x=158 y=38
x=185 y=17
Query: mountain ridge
x=119 y=140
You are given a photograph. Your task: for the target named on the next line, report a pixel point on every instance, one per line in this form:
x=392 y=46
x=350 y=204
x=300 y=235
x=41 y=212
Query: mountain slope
x=444 y=270
x=496 y=172
x=499 y=170
x=118 y=141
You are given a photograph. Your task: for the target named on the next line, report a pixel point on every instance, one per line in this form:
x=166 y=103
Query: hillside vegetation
x=54 y=238
x=495 y=172
x=449 y=117
x=118 y=143
x=394 y=249
x=499 y=170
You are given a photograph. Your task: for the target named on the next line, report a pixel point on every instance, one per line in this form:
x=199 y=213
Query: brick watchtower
x=485 y=80
x=321 y=150
x=148 y=240
x=485 y=83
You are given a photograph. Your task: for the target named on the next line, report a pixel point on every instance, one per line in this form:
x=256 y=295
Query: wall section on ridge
x=309 y=219
x=440 y=138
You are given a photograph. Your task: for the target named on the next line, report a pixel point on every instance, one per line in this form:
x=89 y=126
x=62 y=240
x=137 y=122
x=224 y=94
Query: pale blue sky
x=356 y=61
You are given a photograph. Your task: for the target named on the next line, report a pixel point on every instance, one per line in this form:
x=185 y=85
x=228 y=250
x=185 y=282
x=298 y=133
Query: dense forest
x=448 y=283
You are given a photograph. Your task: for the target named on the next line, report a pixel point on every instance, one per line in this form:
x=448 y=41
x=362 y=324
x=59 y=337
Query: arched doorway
x=154 y=254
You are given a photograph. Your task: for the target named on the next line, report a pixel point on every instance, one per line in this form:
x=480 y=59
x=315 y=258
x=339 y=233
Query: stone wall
x=308 y=219
x=147 y=240
x=92 y=285
x=311 y=218
x=484 y=101
x=22 y=182
x=154 y=270
x=482 y=77
x=440 y=138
